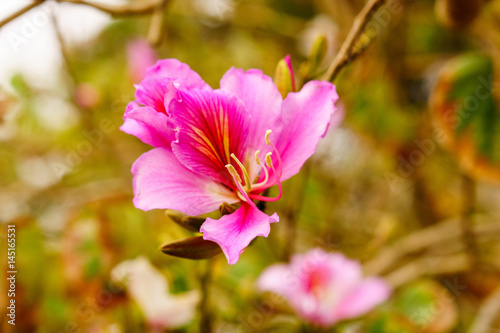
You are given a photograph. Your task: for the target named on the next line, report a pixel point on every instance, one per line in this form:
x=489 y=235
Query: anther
x=269 y=161
x=266 y=173
x=257 y=157
x=268 y=132
x=233 y=172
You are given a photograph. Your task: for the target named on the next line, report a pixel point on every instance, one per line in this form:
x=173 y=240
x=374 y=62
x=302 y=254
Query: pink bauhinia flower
x=222 y=145
x=324 y=288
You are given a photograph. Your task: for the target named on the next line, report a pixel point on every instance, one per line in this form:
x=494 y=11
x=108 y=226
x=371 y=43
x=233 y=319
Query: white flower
x=149 y=288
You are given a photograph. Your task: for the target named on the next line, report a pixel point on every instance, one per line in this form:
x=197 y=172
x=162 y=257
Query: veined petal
x=262 y=100
x=151 y=91
x=362 y=298
x=212 y=125
x=151 y=127
x=235 y=231
x=305 y=118
x=161 y=181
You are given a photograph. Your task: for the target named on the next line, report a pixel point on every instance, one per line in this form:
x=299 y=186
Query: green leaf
x=471 y=83
x=20 y=85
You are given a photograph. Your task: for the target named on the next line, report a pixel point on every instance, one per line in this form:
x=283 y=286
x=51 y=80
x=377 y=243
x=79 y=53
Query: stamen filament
x=244 y=171
x=268 y=132
x=266 y=177
x=268 y=199
x=244 y=196
x=269 y=162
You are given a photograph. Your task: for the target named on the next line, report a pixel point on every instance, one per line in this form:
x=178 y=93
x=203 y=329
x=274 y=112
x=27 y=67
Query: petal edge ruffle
x=233 y=232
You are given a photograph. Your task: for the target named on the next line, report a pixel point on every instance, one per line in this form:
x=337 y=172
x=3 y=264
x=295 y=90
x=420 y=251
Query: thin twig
x=20 y=12
x=428 y=266
x=487 y=314
x=439 y=234
x=155 y=33
x=348 y=52
x=412 y=243
x=204 y=307
x=70 y=77
x=69 y=73
x=466 y=220
x=133 y=8
x=291 y=213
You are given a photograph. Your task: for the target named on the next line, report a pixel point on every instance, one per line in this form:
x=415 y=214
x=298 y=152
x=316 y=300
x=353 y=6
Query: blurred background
x=406 y=180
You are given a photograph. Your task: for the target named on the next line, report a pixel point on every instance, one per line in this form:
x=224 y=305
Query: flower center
x=244 y=190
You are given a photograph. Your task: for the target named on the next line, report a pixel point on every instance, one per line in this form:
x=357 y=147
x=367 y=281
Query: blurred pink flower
x=215 y=146
x=86 y=95
x=324 y=288
x=149 y=288
x=140 y=56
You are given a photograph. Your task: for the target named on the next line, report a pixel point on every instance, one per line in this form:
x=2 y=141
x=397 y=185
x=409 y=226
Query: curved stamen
x=266 y=173
x=263 y=198
x=269 y=162
x=242 y=194
x=280 y=164
x=244 y=171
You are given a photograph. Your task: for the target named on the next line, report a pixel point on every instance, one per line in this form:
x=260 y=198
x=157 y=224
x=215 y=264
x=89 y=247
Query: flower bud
x=190 y=223
x=457 y=13
x=191 y=248
x=318 y=53
x=283 y=76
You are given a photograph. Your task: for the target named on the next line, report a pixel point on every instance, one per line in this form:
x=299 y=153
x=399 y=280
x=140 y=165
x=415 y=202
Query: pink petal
x=305 y=115
x=235 y=231
x=276 y=279
x=262 y=100
x=212 y=125
x=363 y=298
x=161 y=181
x=151 y=127
x=346 y=273
x=151 y=91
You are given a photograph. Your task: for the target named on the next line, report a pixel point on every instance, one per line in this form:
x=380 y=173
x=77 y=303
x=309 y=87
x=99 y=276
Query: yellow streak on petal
x=225 y=134
x=203 y=139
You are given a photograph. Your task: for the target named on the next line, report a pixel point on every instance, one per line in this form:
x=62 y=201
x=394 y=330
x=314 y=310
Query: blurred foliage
x=65 y=166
